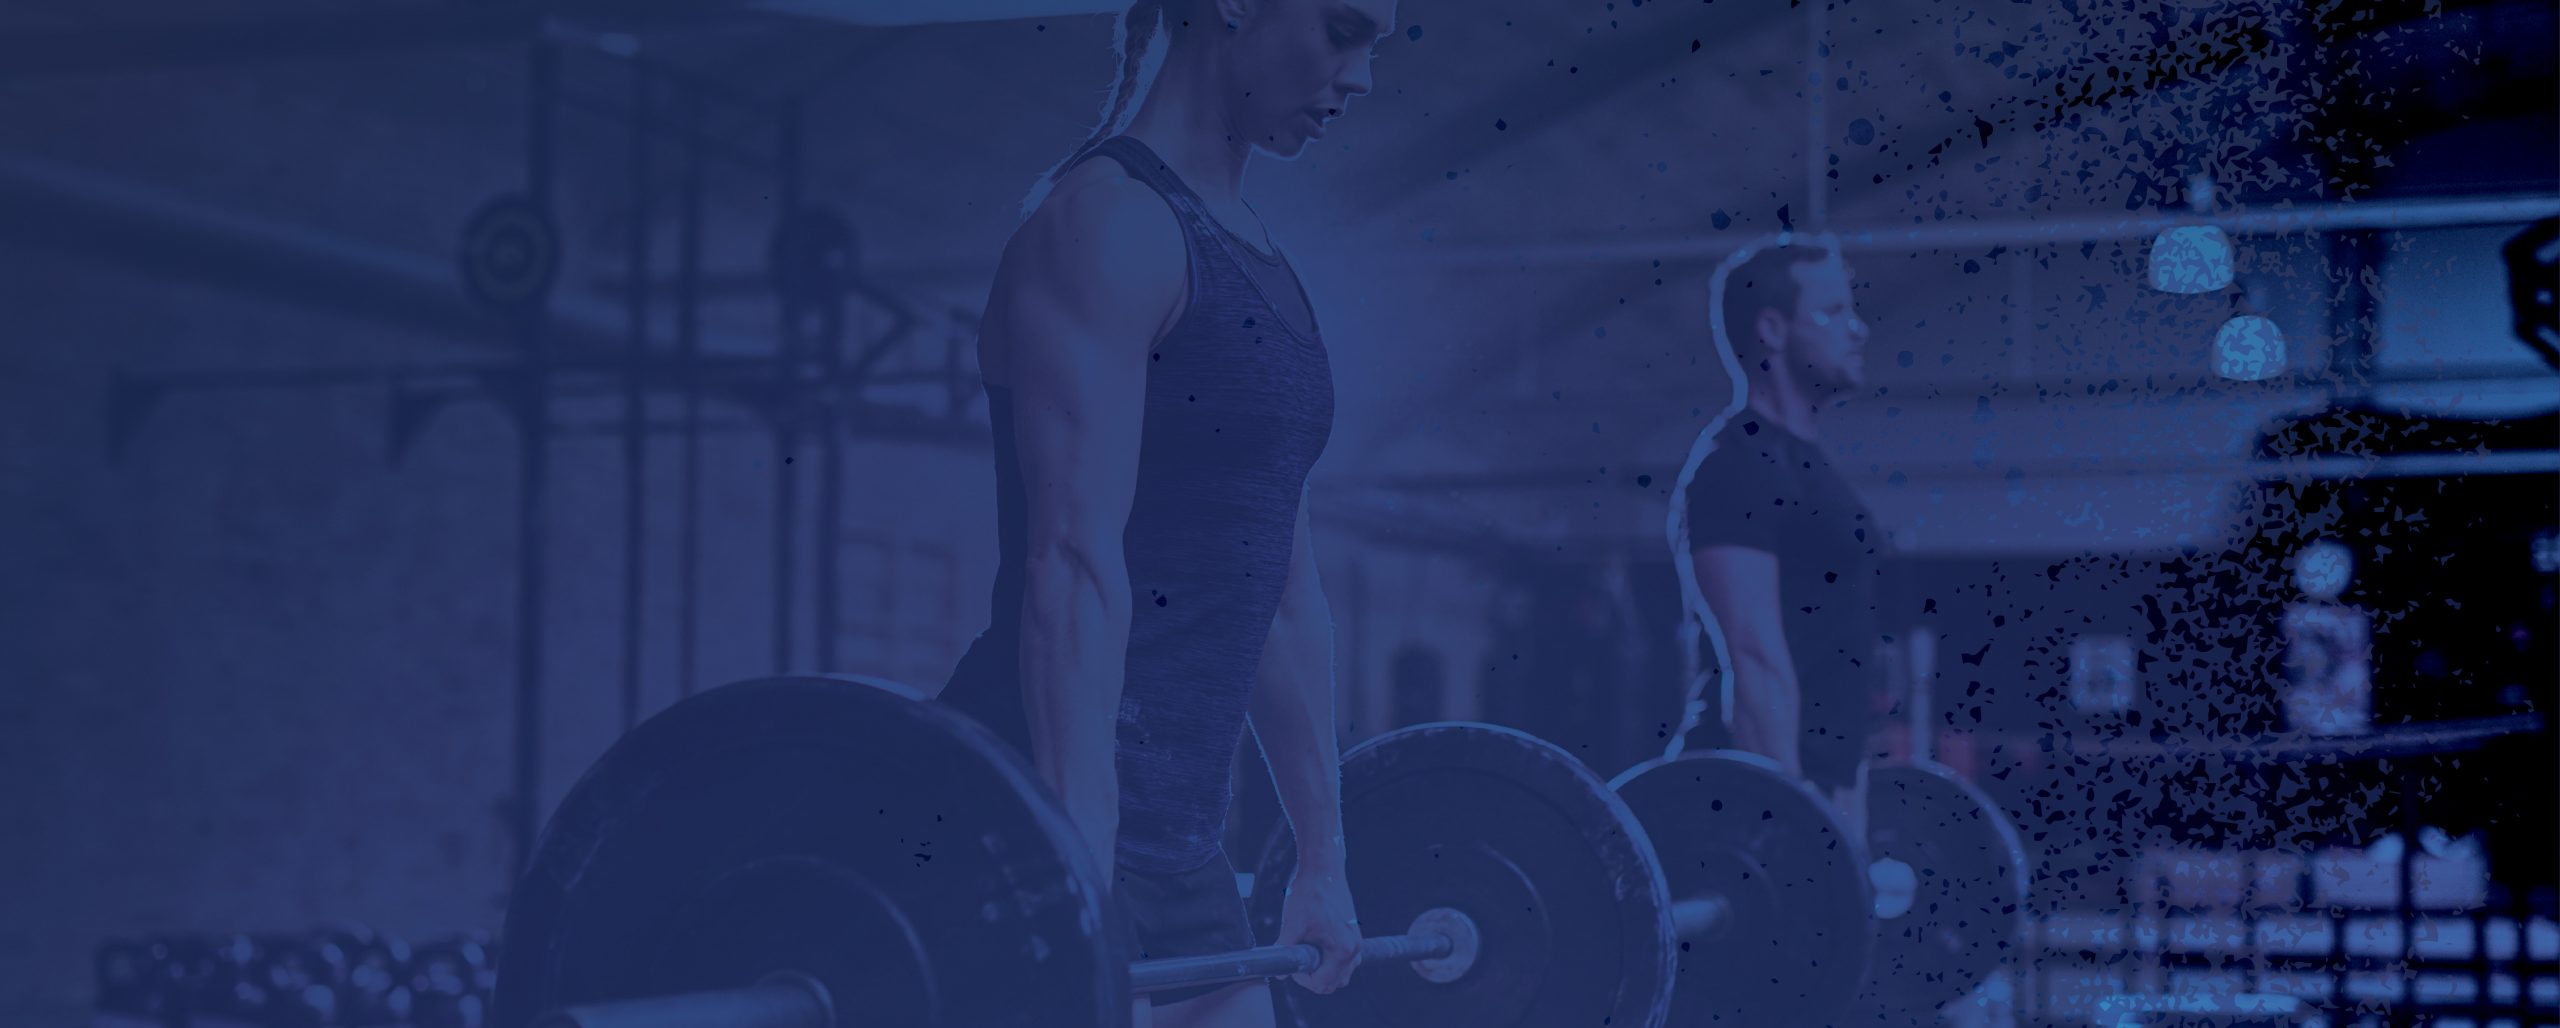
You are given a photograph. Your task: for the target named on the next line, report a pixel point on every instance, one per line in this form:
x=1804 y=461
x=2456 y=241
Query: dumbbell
x=447 y=984
x=185 y=964
x=303 y=978
x=129 y=978
x=154 y=980
x=180 y=978
x=375 y=990
x=233 y=990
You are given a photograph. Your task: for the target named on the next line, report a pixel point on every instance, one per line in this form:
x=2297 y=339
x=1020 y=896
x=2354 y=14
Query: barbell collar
x=1700 y=917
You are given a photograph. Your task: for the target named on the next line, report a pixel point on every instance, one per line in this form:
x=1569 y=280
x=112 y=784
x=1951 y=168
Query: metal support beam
x=75 y=211
x=112 y=46
x=2379 y=215
x=532 y=406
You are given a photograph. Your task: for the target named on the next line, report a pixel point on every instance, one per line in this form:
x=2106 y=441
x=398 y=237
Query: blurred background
x=398 y=401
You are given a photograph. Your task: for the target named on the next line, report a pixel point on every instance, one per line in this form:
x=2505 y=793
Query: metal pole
x=2306 y=219
x=2022 y=314
x=1817 y=145
x=786 y=499
x=1923 y=646
x=533 y=412
x=689 y=358
x=830 y=506
x=832 y=393
x=786 y=504
x=2355 y=310
x=635 y=433
x=2405 y=780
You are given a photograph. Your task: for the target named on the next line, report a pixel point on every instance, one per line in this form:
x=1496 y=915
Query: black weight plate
x=510 y=253
x=844 y=828
x=1794 y=945
x=1516 y=834
x=1968 y=915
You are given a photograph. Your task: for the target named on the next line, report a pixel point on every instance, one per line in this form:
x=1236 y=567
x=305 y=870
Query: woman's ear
x=1232 y=14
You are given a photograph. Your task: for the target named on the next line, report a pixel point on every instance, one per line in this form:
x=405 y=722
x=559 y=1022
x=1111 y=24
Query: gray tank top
x=1239 y=403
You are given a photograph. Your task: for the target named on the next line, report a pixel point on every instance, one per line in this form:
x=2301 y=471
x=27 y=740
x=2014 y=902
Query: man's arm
x=1084 y=289
x=1740 y=587
x=1293 y=711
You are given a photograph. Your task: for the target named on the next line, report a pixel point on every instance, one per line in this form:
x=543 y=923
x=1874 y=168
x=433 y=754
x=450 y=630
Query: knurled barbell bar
x=1440 y=946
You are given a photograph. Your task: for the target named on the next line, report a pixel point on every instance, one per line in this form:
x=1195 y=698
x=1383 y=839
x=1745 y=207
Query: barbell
x=813 y=851
x=1734 y=824
x=1967 y=915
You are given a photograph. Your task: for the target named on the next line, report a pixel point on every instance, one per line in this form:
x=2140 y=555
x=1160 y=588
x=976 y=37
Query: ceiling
x=1482 y=233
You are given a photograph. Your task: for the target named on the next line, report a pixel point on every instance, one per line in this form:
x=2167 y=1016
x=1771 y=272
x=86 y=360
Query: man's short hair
x=1762 y=282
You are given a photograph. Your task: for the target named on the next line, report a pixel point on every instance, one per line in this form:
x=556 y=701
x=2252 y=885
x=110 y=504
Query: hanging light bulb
x=2321 y=569
x=2248 y=348
x=2192 y=258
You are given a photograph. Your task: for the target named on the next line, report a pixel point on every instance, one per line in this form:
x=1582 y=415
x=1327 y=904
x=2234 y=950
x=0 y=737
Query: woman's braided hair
x=1138 y=29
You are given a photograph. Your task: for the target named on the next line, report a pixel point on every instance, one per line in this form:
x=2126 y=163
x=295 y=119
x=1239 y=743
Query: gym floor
x=399 y=404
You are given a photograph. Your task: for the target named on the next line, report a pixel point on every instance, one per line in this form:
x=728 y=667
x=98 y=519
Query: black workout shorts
x=1183 y=914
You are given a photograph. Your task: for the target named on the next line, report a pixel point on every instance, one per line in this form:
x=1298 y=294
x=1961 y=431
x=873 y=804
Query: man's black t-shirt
x=1761 y=487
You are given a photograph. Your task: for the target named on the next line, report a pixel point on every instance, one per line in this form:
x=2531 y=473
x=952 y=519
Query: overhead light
x=2192 y=258
x=2321 y=570
x=2249 y=348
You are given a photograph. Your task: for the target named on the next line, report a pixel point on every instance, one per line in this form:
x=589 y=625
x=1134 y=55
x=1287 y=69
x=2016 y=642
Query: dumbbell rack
x=2349 y=963
x=338 y=978
x=2163 y=943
